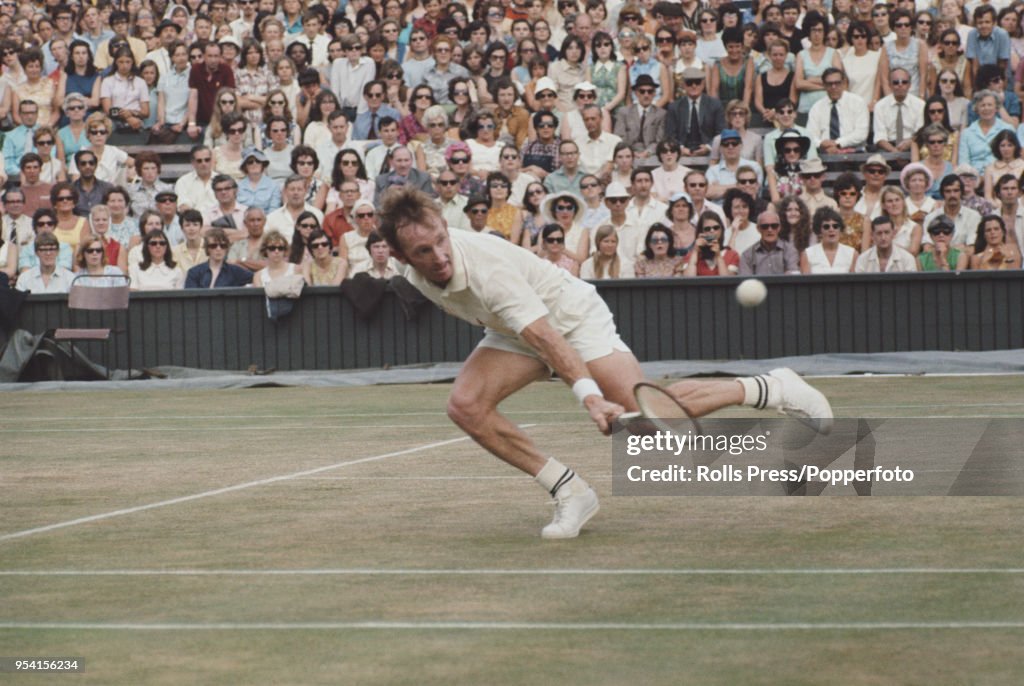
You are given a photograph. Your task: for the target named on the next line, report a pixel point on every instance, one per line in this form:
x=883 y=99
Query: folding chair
x=98 y=299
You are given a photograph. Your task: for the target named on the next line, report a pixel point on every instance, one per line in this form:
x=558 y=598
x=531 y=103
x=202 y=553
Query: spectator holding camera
x=709 y=256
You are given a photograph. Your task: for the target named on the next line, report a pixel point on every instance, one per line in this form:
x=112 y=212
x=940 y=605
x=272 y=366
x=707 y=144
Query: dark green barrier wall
x=661 y=320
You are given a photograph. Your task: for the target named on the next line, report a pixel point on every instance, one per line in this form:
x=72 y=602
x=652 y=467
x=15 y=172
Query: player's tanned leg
x=488 y=377
x=703 y=397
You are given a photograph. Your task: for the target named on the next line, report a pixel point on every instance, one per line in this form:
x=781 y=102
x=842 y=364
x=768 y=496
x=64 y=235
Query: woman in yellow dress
x=505 y=218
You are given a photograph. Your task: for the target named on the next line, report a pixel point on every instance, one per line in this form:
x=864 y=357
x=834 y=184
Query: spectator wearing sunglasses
x=46 y=276
x=642 y=124
x=771 y=255
x=943 y=257
x=898 y=115
x=157 y=271
x=452 y=203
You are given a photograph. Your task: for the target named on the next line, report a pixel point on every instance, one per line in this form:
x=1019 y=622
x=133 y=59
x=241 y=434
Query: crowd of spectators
x=614 y=139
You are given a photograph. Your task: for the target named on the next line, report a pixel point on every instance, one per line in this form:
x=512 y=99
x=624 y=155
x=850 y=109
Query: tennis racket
x=659 y=410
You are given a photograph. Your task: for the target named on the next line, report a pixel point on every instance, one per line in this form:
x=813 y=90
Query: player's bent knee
x=466 y=410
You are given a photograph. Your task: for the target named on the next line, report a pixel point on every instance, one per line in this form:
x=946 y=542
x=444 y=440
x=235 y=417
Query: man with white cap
x=812 y=173
x=695 y=118
x=631 y=237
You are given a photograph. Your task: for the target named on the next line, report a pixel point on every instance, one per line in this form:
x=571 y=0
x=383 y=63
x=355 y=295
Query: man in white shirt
x=539 y=318
x=840 y=120
x=314 y=40
x=327 y=151
x=1007 y=191
x=378 y=158
x=167 y=32
x=227 y=205
x=195 y=189
x=350 y=74
x=697 y=187
x=511 y=164
x=47 y=276
x=964 y=219
x=884 y=256
x=453 y=203
x=597 y=148
x=242 y=27
x=644 y=209
x=898 y=115
x=283 y=218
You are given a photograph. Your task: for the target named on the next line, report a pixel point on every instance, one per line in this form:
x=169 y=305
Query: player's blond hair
x=403 y=206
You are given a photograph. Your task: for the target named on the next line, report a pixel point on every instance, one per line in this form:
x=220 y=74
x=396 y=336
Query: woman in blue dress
x=81 y=76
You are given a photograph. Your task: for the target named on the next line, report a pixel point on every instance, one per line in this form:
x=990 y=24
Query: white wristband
x=584 y=387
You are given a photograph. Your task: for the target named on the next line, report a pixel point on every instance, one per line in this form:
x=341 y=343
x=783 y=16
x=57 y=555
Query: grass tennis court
x=353 y=536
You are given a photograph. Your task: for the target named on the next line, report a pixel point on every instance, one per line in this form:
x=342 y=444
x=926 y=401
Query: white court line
x=340 y=415
x=511 y=626
x=218 y=429
x=372 y=571
x=228 y=489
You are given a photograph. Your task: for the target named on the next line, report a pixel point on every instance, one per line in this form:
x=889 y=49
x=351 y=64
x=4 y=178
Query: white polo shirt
x=281 y=220
x=505 y=288
x=594 y=153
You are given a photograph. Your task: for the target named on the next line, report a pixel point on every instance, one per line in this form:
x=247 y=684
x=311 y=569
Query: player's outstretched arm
x=568 y=364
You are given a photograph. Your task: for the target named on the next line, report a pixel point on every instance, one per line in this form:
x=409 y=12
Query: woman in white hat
x=566 y=210
x=875 y=171
x=916 y=180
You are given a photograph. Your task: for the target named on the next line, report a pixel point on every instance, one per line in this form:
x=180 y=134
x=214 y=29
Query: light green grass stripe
x=369 y=571
x=227 y=489
x=510 y=626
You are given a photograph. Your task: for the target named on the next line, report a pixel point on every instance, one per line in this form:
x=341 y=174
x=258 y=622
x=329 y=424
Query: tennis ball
x=751 y=293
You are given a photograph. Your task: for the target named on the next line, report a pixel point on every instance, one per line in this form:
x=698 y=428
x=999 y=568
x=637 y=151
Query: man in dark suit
x=642 y=125
x=217 y=272
x=402 y=174
x=694 y=119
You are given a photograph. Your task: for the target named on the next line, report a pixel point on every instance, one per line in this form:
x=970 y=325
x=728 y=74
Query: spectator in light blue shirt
x=976 y=139
x=44 y=221
x=18 y=140
x=987 y=43
x=172 y=91
x=257 y=189
x=367 y=123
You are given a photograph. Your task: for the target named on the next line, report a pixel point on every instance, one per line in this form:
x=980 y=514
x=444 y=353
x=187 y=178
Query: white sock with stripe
x=758 y=390
x=554 y=475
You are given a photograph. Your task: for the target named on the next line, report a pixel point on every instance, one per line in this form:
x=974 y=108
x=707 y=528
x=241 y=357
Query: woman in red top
x=709 y=257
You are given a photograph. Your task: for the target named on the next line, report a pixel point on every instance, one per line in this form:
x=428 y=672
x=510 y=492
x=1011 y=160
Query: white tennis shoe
x=795 y=397
x=575 y=503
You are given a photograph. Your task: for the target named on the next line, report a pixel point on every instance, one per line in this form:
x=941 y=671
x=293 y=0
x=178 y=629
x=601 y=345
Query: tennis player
x=539 y=318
